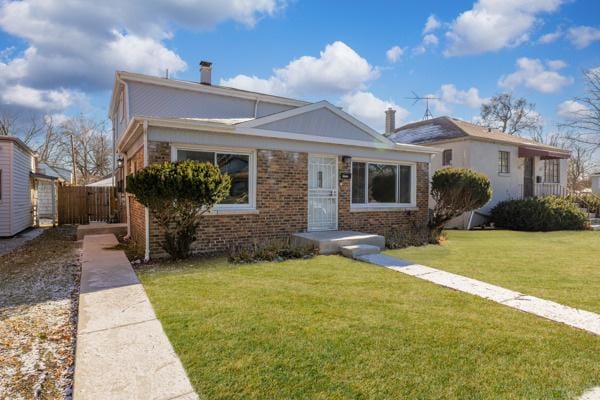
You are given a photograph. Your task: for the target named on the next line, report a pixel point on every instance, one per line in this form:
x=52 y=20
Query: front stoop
x=358 y=250
x=331 y=242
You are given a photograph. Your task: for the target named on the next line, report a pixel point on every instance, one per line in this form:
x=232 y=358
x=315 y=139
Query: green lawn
x=332 y=328
x=559 y=266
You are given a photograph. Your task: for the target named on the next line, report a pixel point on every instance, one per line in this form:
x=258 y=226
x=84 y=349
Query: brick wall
x=379 y=222
x=282 y=202
x=137 y=211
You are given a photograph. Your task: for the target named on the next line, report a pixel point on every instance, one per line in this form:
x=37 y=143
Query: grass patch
x=334 y=328
x=558 y=266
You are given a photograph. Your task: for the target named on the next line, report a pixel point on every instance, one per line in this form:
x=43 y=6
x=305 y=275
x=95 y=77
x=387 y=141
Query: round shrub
x=456 y=191
x=550 y=213
x=178 y=194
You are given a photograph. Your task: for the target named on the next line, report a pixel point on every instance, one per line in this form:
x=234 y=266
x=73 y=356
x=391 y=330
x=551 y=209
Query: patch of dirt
x=39 y=291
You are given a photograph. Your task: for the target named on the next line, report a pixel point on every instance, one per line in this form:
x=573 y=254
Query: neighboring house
x=296 y=166
x=107 y=181
x=595 y=177
x=517 y=167
x=18 y=182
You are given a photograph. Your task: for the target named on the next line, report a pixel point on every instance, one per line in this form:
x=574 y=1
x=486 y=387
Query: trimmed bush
x=550 y=213
x=456 y=191
x=178 y=194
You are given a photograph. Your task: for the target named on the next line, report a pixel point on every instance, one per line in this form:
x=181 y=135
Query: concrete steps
x=331 y=242
x=358 y=250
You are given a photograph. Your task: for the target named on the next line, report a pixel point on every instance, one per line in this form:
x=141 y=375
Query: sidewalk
x=574 y=317
x=122 y=350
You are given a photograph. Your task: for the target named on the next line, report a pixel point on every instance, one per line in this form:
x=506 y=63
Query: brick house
x=295 y=166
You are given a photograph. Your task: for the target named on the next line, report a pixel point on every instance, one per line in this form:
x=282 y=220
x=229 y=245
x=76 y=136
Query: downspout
x=256 y=107
x=146 y=211
x=125 y=170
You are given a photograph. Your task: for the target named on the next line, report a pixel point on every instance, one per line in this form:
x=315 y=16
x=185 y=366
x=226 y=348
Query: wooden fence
x=82 y=204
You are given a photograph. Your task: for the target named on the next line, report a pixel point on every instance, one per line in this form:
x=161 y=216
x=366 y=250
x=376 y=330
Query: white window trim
x=385 y=206
x=221 y=209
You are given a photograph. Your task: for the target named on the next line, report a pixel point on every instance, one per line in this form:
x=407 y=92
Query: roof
x=446 y=128
x=253 y=127
x=104 y=182
x=52 y=170
x=121 y=76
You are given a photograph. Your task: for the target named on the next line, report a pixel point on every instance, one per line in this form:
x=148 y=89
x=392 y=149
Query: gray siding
x=320 y=122
x=21 y=191
x=158 y=101
x=6 y=168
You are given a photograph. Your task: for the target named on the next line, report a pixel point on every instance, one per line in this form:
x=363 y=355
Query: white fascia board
x=218 y=90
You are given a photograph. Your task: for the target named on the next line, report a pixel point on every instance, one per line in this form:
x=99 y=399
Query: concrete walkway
x=574 y=317
x=122 y=350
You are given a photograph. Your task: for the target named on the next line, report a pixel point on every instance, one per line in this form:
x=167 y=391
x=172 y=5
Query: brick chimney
x=390 y=120
x=205 y=72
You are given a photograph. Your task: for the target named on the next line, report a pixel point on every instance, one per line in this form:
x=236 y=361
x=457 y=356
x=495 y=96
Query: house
x=595 y=178
x=296 y=166
x=19 y=182
x=517 y=167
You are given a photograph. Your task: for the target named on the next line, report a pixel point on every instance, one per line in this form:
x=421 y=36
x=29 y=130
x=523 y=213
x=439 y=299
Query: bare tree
x=89 y=148
x=7 y=122
x=580 y=165
x=584 y=120
x=510 y=115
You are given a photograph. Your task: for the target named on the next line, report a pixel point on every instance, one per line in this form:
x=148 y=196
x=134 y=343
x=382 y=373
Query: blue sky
x=59 y=57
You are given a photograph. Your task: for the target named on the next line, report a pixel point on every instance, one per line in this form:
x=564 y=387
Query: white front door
x=322 y=193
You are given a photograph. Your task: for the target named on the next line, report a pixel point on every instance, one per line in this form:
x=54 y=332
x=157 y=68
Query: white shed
x=17 y=163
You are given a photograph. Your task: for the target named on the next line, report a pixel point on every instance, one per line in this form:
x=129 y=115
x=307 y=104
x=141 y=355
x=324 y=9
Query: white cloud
x=531 y=73
x=393 y=54
x=556 y=64
x=43 y=100
x=571 y=109
x=370 y=109
x=78 y=45
x=494 y=24
x=550 y=37
x=583 y=36
x=431 y=24
x=420 y=49
x=430 y=39
x=470 y=97
x=337 y=70
x=449 y=95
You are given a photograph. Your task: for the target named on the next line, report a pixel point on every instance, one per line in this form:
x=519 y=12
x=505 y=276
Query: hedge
x=550 y=213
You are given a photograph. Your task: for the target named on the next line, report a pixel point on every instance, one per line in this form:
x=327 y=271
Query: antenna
x=417 y=98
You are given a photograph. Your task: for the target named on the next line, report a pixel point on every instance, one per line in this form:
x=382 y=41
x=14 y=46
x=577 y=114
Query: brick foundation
x=137 y=212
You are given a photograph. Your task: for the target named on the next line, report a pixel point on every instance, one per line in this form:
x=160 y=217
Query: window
x=504 y=162
x=237 y=166
x=552 y=171
x=447 y=157
x=381 y=184
x=0 y=184
x=121 y=108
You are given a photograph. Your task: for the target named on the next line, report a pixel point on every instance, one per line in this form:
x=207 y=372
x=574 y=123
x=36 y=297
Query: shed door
x=322 y=193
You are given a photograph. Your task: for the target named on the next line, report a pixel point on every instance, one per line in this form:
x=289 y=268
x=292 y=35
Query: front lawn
x=332 y=328
x=559 y=266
